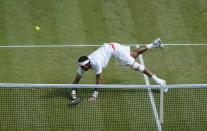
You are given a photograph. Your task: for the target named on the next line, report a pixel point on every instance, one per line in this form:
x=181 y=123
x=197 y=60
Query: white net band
x=32 y=85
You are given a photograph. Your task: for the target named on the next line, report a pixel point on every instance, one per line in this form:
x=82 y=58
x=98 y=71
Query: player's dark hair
x=82 y=59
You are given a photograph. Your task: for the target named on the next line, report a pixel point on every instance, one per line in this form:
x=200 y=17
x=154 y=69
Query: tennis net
x=26 y=106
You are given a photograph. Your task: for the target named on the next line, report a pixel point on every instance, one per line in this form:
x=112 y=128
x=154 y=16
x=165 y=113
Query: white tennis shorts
x=122 y=53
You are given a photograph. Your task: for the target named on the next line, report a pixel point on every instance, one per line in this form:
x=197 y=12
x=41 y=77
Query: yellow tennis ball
x=37 y=28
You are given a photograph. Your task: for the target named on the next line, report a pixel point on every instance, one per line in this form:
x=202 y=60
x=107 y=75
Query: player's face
x=86 y=67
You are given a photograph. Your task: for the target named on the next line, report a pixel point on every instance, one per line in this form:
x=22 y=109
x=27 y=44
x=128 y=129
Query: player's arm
x=95 y=91
x=77 y=79
x=75 y=100
x=98 y=78
x=73 y=92
x=98 y=70
x=80 y=72
x=98 y=81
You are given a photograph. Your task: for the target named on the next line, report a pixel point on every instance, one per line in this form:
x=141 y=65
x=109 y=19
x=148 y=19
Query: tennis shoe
x=157 y=43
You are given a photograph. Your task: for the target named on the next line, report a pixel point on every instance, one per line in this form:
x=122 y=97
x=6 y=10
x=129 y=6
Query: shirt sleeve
x=80 y=71
x=98 y=68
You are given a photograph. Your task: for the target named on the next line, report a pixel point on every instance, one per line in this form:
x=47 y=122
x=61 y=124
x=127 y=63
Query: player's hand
x=92 y=99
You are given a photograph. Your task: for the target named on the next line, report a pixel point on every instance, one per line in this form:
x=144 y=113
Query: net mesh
x=115 y=109
x=185 y=109
x=49 y=109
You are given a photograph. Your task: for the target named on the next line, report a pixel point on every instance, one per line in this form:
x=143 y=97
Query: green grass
x=95 y=22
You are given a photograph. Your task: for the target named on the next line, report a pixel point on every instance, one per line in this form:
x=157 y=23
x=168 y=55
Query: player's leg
x=155 y=44
x=146 y=71
x=136 y=52
x=126 y=59
x=141 y=68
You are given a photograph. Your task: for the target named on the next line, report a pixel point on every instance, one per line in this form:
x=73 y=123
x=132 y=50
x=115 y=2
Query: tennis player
x=99 y=59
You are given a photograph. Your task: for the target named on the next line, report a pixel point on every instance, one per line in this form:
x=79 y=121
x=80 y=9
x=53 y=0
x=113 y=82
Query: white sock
x=155 y=78
x=95 y=93
x=149 y=46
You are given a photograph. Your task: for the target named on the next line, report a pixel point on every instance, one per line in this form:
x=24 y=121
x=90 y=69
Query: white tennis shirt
x=100 y=58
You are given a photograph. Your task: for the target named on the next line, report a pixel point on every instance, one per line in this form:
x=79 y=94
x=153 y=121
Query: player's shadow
x=85 y=93
x=65 y=93
x=120 y=90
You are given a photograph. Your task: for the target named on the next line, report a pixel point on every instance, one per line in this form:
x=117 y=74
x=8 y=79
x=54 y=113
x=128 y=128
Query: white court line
x=141 y=59
x=83 y=45
x=46 y=46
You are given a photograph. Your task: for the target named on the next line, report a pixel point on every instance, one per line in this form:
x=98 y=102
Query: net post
x=161 y=104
